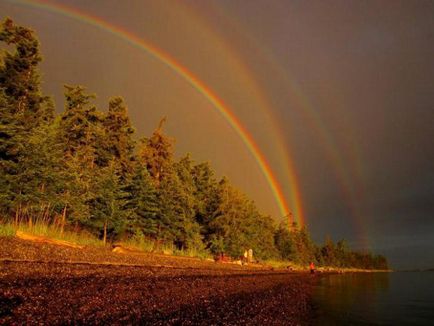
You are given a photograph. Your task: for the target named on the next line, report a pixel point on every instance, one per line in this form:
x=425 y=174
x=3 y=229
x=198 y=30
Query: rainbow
x=197 y=84
x=249 y=80
x=350 y=181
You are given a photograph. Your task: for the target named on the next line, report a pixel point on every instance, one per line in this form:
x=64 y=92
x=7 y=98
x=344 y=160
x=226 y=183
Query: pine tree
x=20 y=77
x=283 y=241
x=118 y=136
x=329 y=252
x=109 y=206
x=304 y=249
x=176 y=215
x=10 y=147
x=190 y=236
x=173 y=217
x=206 y=195
x=156 y=153
x=81 y=125
x=80 y=133
x=143 y=203
x=260 y=233
x=230 y=220
x=23 y=109
x=341 y=253
x=42 y=177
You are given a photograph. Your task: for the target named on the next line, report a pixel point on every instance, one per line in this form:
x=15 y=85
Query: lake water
x=400 y=298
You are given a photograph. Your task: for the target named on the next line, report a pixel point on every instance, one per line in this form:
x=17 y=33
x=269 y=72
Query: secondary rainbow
x=286 y=164
x=349 y=181
x=188 y=76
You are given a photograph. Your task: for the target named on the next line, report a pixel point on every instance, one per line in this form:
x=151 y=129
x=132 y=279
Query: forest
x=84 y=169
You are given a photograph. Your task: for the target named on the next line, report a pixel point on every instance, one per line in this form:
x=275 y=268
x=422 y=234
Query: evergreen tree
x=80 y=134
x=184 y=169
x=23 y=109
x=190 y=228
x=20 y=77
x=143 y=203
x=206 y=195
x=261 y=235
x=176 y=220
x=329 y=252
x=283 y=241
x=156 y=153
x=81 y=126
x=118 y=137
x=304 y=250
x=237 y=225
x=176 y=214
x=109 y=207
x=229 y=220
x=341 y=253
x=11 y=145
x=42 y=176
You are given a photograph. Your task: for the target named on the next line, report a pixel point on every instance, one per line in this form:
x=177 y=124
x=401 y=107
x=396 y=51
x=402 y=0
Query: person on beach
x=312 y=267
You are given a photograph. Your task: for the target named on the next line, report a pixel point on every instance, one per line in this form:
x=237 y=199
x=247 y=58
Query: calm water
x=376 y=299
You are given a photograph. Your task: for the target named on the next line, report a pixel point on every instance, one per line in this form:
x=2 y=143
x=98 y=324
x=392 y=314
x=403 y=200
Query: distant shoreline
x=30 y=248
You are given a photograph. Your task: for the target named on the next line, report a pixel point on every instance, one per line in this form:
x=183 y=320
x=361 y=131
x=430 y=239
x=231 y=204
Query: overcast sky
x=346 y=88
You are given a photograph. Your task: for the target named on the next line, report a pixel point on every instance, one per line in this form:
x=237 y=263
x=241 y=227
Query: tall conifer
x=119 y=132
x=23 y=109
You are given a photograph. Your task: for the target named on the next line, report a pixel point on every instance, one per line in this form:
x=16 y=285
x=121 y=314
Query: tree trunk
x=62 y=224
x=105 y=232
x=17 y=214
x=47 y=213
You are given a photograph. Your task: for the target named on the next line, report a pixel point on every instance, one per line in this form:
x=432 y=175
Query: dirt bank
x=159 y=291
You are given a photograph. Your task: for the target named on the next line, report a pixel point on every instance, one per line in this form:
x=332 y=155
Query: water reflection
x=339 y=295
x=375 y=299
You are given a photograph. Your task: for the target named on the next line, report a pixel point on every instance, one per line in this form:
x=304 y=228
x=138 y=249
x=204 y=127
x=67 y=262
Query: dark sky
x=344 y=88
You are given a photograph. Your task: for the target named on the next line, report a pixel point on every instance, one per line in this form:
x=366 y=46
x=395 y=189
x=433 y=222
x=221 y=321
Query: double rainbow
x=200 y=87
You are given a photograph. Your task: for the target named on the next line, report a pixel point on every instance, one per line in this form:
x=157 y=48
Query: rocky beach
x=44 y=283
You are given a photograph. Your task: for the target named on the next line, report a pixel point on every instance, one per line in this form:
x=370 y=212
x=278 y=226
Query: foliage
x=50 y=230
x=83 y=170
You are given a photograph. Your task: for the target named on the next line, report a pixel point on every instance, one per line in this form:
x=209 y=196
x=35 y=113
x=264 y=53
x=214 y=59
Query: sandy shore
x=41 y=283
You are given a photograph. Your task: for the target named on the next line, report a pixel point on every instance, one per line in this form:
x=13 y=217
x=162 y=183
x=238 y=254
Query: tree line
x=84 y=169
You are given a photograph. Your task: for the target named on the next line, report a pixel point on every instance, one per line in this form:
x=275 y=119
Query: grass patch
x=143 y=243
x=193 y=252
x=7 y=230
x=51 y=231
x=279 y=264
x=139 y=242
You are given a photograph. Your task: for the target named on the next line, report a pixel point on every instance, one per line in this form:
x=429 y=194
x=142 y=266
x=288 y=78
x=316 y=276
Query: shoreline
x=31 y=250
x=37 y=286
x=46 y=283
x=157 y=291
x=59 y=294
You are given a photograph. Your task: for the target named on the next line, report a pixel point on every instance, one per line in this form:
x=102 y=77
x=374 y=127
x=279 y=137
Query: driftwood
x=41 y=239
x=123 y=249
